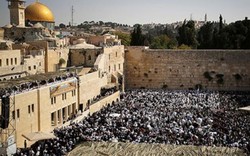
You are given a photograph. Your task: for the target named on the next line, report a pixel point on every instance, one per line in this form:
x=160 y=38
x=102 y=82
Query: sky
x=140 y=11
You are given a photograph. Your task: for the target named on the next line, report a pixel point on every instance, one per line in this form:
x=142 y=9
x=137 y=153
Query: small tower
x=17 y=15
x=205 y=18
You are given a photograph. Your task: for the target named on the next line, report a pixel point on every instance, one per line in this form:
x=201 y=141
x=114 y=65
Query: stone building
x=108 y=59
x=39 y=13
x=35 y=22
x=45 y=83
x=17 y=15
x=21 y=60
x=56 y=97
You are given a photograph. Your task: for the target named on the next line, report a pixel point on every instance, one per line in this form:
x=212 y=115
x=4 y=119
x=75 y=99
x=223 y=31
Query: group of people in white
x=206 y=118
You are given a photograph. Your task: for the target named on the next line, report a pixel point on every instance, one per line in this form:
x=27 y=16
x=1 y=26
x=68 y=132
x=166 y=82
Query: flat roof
x=39 y=77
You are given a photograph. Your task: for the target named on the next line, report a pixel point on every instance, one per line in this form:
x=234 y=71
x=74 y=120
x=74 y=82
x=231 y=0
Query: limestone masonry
x=187 y=69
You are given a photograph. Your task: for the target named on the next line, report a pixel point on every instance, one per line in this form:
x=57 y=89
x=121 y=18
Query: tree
x=62 y=25
x=101 y=23
x=137 y=39
x=205 y=36
x=160 y=42
x=187 y=34
x=163 y=42
x=221 y=23
x=61 y=62
x=125 y=38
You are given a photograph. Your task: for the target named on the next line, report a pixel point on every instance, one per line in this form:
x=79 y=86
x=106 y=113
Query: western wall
x=187 y=69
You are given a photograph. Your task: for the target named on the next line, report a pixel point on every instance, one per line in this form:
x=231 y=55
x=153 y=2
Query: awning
x=110 y=85
x=36 y=136
x=245 y=108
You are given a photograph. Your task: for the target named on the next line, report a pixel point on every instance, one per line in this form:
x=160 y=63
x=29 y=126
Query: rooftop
x=33 y=81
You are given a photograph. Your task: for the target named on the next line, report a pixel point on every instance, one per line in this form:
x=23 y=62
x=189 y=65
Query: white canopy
x=36 y=136
x=245 y=108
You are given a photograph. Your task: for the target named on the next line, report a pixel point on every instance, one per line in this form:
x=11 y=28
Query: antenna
x=72 y=16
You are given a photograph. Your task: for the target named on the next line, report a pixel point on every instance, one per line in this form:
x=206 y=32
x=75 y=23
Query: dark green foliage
x=187 y=34
x=205 y=36
x=219 y=76
x=62 y=25
x=198 y=86
x=221 y=23
x=163 y=42
x=125 y=38
x=237 y=77
x=220 y=81
x=61 y=62
x=220 y=36
x=164 y=86
x=137 y=39
x=207 y=76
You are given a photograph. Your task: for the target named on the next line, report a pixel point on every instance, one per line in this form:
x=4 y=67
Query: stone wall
x=187 y=69
x=112 y=99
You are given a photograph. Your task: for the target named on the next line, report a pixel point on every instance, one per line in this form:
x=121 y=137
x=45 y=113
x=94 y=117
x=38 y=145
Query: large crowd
x=160 y=116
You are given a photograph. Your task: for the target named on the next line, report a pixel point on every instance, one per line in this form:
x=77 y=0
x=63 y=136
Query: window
x=115 y=54
x=15 y=60
x=40 y=64
x=89 y=57
x=11 y=61
x=119 y=66
x=73 y=92
x=114 y=67
x=33 y=108
x=18 y=113
x=7 y=62
x=109 y=68
x=0 y=62
x=29 y=109
x=53 y=100
x=34 y=66
x=29 y=67
x=64 y=96
x=13 y=115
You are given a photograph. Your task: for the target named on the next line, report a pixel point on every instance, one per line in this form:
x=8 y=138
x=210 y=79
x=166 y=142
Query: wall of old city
x=187 y=69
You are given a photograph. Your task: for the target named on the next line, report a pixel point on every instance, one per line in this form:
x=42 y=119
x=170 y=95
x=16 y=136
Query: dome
x=38 y=12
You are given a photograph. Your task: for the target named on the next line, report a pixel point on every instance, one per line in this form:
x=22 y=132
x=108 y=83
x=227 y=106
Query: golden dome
x=38 y=12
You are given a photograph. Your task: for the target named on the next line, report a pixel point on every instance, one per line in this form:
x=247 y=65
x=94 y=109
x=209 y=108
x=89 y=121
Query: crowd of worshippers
x=34 y=84
x=160 y=116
